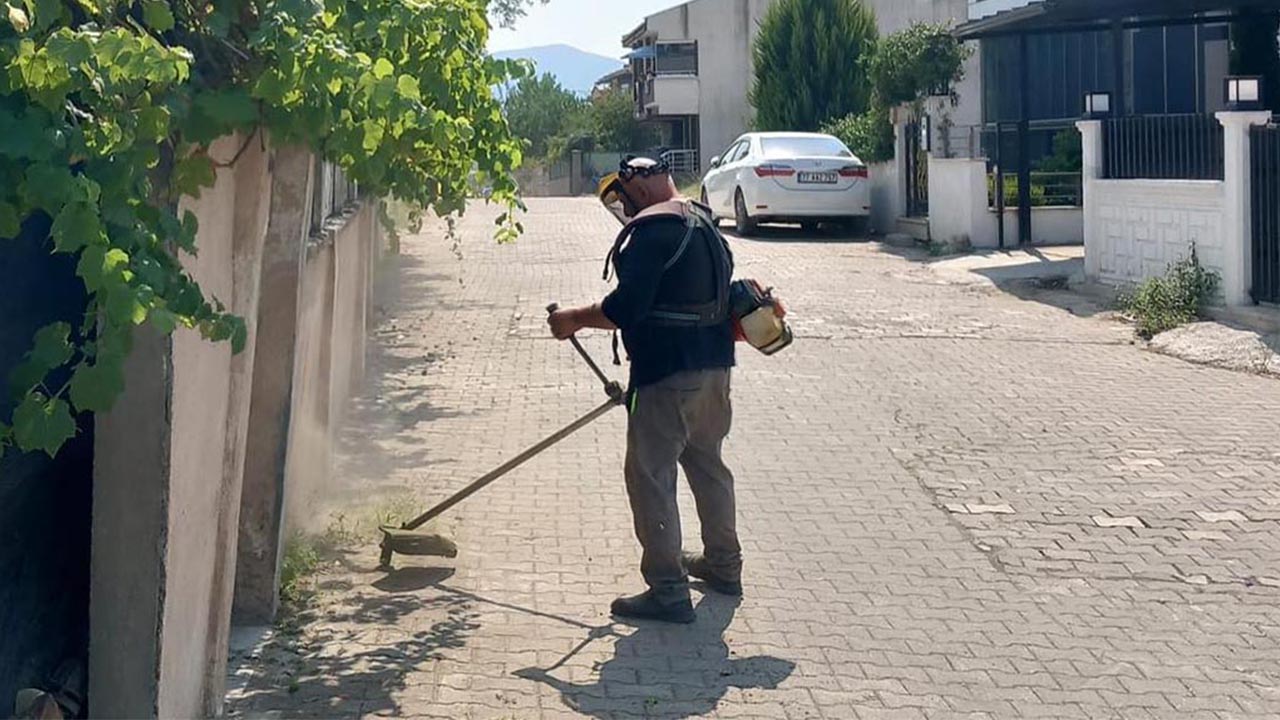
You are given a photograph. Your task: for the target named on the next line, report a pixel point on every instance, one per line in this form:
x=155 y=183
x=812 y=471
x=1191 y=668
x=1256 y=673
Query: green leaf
x=373 y=134
x=42 y=423
x=232 y=108
x=153 y=122
x=94 y=388
x=164 y=320
x=10 y=223
x=75 y=227
x=98 y=264
x=47 y=12
x=157 y=15
x=124 y=305
x=52 y=346
x=408 y=88
x=194 y=173
x=383 y=68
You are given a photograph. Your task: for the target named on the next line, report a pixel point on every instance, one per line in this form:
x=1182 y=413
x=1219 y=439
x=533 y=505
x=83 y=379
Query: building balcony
x=669 y=95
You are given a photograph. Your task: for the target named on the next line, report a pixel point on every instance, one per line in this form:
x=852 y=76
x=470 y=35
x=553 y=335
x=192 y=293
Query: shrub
x=1163 y=303
x=869 y=135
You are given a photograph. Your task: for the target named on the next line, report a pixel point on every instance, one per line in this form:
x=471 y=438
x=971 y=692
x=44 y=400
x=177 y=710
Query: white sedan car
x=804 y=178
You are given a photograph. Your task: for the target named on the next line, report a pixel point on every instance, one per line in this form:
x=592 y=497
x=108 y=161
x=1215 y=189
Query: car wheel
x=742 y=222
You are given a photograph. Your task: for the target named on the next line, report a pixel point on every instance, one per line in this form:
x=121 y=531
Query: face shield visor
x=614 y=198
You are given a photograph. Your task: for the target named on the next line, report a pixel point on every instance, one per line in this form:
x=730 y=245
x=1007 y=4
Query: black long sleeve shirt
x=657 y=351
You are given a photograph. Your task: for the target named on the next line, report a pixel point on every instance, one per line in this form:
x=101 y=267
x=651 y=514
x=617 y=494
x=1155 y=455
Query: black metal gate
x=1266 y=213
x=917 y=167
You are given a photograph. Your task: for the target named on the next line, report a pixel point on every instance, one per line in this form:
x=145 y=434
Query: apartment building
x=691 y=68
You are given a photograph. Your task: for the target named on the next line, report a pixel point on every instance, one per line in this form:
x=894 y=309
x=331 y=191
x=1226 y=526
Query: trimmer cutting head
x=412 y=542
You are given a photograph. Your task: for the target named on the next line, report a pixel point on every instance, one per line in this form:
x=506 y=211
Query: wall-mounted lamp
x=1244 y=92
x=1097 y=105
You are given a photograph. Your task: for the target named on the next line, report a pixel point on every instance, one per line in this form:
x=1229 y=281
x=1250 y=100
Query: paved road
x=955 y=503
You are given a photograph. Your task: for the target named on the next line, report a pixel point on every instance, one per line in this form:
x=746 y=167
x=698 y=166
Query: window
x=797 y=146
x=740 y=151
x=677 y=59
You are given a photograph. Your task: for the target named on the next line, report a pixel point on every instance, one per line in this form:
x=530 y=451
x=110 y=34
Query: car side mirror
x=715 y=162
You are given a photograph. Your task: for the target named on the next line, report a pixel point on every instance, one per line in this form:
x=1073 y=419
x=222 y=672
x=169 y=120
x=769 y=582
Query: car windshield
x=799 y=146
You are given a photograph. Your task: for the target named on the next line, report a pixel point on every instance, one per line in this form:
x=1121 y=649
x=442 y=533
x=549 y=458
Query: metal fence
x=332 y=194
x=1048 y=189
x=1165 y=147
x=1265 y=179
x=682 y=161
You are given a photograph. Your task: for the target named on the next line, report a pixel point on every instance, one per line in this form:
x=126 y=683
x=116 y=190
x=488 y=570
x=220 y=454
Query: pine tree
x=806 y=63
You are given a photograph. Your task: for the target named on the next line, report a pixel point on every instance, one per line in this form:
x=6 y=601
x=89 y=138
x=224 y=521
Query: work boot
x=696 y=565
x=646 y=606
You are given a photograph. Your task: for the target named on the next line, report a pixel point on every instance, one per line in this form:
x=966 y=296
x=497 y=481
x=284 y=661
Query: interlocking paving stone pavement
x=954 y=503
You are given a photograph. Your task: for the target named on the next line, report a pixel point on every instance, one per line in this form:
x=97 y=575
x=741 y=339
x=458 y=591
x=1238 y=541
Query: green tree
x=614 y=125
x=923 y=59
x=539 y=109
x=807 y=63
x=905 y=67
x=1255 y=50
x=107 y=110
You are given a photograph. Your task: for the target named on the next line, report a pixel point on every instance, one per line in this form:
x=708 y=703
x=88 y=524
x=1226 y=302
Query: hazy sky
x=593 y=25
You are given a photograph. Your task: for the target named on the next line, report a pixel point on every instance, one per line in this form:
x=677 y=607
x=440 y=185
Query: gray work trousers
x=682 y=419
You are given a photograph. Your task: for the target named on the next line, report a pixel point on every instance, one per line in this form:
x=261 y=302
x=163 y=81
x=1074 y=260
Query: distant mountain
x=576 y=70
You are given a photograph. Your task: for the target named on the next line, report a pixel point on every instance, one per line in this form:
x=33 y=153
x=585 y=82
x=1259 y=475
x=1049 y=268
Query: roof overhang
x=1064 y=16
x=636 y=36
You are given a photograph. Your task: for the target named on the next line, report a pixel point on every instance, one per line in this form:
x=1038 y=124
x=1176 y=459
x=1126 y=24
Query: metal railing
x=1163 y=147
x=332 y=193
x=1048 y=189
x=682 y=161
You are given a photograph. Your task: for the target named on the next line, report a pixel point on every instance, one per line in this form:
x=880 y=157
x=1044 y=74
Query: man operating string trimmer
x=676 y=306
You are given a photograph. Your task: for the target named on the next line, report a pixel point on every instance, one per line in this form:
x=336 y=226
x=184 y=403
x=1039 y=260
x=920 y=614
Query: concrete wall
x=1140 y=226
x=332 y=318
x=1053 y=225
x=1133 y=229
x=262 y=498
x=163 y=565
x=960 y=212
x=886 y=196
x=676 y=94
x=200 y=400
x=172 y=456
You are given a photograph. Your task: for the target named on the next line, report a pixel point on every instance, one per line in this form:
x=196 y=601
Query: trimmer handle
x=611 y=387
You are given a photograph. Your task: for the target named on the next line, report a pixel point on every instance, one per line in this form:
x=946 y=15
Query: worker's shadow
x=670 y=671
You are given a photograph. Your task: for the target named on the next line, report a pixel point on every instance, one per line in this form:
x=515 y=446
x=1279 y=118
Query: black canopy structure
x=1061 y=17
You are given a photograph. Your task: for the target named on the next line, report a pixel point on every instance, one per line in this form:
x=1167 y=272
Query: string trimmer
x=405 y=539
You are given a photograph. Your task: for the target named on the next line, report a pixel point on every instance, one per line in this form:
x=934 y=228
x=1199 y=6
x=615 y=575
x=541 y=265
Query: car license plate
x=817 y=177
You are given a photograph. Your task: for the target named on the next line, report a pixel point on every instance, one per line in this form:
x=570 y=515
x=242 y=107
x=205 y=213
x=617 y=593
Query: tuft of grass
x=298 y=568
x=1161 y=304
